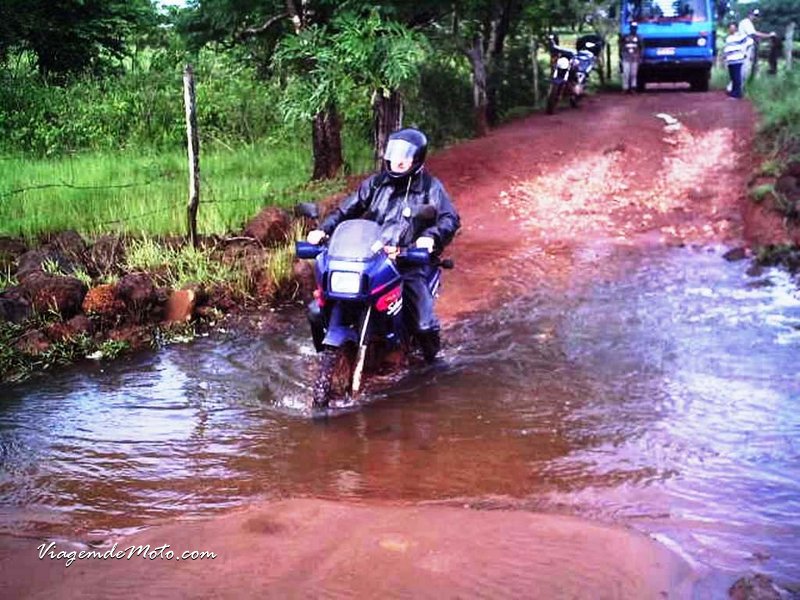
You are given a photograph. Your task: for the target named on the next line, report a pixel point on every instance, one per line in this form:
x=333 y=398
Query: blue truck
x=679 y=39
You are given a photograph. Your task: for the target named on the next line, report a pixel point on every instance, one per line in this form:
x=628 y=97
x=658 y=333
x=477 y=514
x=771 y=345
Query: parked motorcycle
x=357 y=314
x=570 y=72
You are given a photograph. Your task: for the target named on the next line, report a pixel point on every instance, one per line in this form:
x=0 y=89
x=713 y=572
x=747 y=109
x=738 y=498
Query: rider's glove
x=315 y=236
x=426 y=242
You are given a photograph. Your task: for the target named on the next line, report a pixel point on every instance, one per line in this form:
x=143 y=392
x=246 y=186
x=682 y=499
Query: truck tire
x=700 y=81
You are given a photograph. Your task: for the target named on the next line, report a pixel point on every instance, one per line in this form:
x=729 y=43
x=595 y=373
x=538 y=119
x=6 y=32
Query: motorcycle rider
x=388 y=197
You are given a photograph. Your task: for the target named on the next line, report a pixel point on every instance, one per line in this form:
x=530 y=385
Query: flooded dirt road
x=602 y=361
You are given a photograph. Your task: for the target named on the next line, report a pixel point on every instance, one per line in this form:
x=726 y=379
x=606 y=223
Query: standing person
x=389 y=197
x=631 y=51
x=748 y=28
x=735 y=53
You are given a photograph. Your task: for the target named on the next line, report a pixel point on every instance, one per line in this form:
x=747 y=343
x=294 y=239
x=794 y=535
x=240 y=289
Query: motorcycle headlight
x=343 y=282
x=702 y=41
x=562 y=63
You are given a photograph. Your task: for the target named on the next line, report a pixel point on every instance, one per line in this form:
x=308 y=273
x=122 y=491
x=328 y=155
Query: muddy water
x=652 y=387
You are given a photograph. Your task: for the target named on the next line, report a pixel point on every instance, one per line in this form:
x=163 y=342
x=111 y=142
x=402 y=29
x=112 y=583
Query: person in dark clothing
x=389 y=198
x=631 y=49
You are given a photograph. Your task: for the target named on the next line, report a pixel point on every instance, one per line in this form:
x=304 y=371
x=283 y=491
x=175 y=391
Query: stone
x=303 y=276
x=137 y=291
x=70 y=245
x=10 y=250
x=786 y=184
x=105 y=255
x=33 y=343
x=793 y=169
x=735 y=254
x=102 y=301
x=80 y=325
x=180 y=306
x=14 y=305
x=270 y=227
x=757 y=587
x=31 y=262
x=136 y=336
x=62 y=294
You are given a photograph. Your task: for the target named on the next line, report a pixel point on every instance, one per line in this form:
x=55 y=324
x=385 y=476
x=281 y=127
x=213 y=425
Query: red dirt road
x=612 y=172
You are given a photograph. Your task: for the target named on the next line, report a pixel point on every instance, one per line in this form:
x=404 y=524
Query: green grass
x=777 y=99
x=147 y=193
x=177 y=267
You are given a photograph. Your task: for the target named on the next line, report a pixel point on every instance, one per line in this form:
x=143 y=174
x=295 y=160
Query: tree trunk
x=480 y=101
x=788 y=44
x=327 y=140
x=387 y=112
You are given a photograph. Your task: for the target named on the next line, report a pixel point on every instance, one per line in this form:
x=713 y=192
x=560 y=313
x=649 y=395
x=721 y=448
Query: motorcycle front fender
x=339 y=333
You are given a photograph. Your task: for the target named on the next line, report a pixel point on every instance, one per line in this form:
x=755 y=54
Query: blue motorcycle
x=358 y=301
x=570 y=72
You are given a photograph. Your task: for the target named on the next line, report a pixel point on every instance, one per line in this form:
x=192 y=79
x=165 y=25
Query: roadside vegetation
x=294 y=98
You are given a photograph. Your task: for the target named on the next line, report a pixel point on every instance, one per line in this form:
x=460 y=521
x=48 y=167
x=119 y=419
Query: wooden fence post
x=788 y=44
x=193 y=146
x=535 y=61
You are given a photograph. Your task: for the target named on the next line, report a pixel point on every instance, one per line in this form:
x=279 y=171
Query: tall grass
x=777 y=99
x=144 y=192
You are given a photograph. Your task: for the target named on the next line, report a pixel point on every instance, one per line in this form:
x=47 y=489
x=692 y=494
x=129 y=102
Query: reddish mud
x=313 y=549
x=610 y=172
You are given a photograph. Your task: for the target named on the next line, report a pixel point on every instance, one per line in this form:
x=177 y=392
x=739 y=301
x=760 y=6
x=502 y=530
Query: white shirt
x=746 y=27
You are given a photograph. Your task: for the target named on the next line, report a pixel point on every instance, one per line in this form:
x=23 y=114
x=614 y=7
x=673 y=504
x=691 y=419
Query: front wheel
x=334 y=375
x=552 y=98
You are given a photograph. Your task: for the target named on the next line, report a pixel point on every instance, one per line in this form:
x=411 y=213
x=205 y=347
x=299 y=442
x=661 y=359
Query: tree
x=380 y=55
x=72 y=36
x=480 y=28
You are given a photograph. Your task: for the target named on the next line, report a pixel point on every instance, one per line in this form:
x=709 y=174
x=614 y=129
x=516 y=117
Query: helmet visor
x=399 y=150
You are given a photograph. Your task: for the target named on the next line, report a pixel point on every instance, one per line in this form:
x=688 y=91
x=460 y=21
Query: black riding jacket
x=383 y=199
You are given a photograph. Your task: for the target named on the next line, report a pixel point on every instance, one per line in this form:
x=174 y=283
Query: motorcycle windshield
x=353 y=240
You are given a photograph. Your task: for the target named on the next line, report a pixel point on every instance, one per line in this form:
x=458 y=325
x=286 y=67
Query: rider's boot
x=430 y=344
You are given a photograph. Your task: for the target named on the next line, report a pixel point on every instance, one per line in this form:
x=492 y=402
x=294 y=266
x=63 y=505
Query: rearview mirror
x=306 y=209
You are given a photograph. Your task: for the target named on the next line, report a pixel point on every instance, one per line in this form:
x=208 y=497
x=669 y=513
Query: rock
x=80 y=325
x=70 y=245
x=14 y=305
x=793 y=169
x=137 y=291
x=757 y=587
x=102 y=301
x=180 y=306
x=62 y=294
x=620 y=147
x=33 y=343
x=221 y=298
x=270 y=227
x=303 y=275
x=31 y=262
x=698 y=194
x=105 y=255
x=786 y=184
x=136 y=336
x=735 y=254
x=10 y=250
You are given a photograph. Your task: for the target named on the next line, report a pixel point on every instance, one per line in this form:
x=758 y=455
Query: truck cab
x=679 y=40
